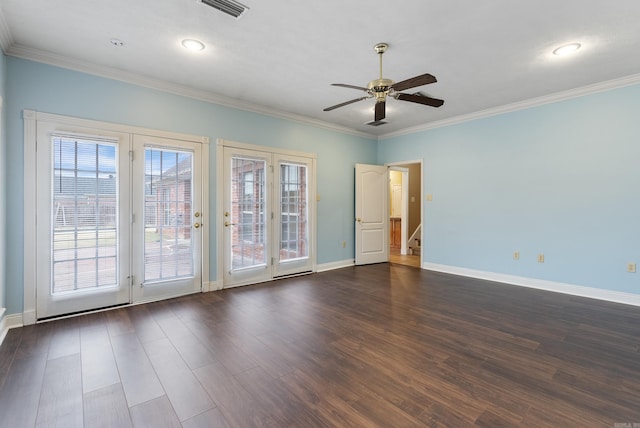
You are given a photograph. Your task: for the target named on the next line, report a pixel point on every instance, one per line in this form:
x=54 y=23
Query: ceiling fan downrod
x=380 y=87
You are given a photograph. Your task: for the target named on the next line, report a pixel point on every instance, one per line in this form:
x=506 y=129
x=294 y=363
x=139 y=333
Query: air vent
x=376 y=123
x=229 y=7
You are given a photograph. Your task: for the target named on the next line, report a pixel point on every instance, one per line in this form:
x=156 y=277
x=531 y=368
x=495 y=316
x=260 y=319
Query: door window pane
x=84 y=215
x=294 y=242
x=168 y=247
x=247 y=215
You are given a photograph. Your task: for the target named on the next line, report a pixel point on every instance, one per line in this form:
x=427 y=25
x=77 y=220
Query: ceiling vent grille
x=230 y=7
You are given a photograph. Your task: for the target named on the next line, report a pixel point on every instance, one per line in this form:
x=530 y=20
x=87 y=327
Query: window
x=84 y=226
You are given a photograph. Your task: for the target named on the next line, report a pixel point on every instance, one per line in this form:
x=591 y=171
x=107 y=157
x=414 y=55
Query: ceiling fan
x=382 y=88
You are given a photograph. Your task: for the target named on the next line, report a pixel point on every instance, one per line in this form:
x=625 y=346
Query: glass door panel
x=168 y=247
x=293 y=214
x=167 y=226
x=268 y=216
x=247 y=215
x=82 y=195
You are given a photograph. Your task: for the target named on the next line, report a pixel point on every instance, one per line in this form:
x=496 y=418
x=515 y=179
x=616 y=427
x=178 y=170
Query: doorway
x=405 y=213
x=119 y=215
x=267 y=219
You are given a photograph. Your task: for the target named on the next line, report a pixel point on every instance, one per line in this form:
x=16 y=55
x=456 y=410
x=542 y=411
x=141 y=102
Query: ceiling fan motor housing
x=380 y=88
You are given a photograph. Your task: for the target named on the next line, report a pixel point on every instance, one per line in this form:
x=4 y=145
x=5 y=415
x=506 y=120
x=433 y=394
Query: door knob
x=227 y=224
x=359 y=220
x=196 y=225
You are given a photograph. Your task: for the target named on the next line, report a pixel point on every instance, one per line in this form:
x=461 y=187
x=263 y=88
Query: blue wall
x=560 y=179
x=54 y=90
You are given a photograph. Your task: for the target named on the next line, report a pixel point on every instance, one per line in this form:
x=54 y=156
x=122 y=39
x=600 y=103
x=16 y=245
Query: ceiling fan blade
x=343 y=85
x=421 y=80
x=420 y=99
x=380 y=110
x=344 y=104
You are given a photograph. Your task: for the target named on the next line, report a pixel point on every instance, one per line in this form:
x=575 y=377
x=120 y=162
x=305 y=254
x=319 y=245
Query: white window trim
x=31 y=119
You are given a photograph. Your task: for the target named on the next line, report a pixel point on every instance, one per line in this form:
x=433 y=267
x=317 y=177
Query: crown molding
x=49 y=58
x=6 y=39
x=12 y=49
x=521 y=105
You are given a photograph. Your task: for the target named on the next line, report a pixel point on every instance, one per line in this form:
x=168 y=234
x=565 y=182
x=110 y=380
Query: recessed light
x=566 y=49
x=193 y=45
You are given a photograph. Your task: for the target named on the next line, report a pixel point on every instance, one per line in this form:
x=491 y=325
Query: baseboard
x=323 y=267
x=29 y=317
x=209 y=286
x=557 y=287
x=7 y=322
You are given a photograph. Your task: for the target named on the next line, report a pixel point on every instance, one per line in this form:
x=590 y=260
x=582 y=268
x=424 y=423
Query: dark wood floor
x=407 y=260
x=382 y=345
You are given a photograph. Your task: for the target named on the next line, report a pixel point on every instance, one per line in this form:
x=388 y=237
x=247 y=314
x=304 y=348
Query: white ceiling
x=282 y=55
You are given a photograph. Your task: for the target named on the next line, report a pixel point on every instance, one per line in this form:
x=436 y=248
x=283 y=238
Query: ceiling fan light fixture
x=193 y=45
x=567 y=49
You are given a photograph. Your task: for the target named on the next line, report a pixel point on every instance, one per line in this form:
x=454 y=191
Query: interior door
x=167 y=220
x=372 y=214
x=82 y=220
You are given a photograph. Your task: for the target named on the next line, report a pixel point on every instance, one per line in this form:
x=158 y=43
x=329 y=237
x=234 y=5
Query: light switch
x=429 y=197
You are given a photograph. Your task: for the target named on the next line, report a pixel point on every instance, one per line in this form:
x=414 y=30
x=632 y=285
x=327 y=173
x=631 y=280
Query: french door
x=268 y=219
x=82 y=221
x=119 y=219
x=167 y=218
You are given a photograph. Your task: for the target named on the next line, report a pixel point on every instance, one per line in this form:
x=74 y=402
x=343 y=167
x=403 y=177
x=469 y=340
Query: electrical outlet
x=631 y=267
x=540 y=258
x=344 y=244
x=516 y=255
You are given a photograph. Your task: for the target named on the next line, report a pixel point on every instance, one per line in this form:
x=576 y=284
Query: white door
x=372 y=214
x=293 y=249
x=246 y=235
x=167 y=220
x=82 y=221
x=268 y=216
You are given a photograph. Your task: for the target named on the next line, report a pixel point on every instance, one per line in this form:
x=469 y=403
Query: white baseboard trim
x=209 y=286
x=29 y=317
x=7 y=322
x=323 y=267
x=557 y=287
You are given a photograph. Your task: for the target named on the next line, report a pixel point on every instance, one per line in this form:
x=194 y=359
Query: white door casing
x=372 y=214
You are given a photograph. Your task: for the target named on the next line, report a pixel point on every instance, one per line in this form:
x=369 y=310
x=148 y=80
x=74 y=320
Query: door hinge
x=133 y=218
x=272 y=261
x=131 y=280
x=272 y=215
x=271 y=166
x=131 y=155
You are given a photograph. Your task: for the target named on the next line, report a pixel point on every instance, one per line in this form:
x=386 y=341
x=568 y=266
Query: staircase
x=414 y=242
x=414 y=247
